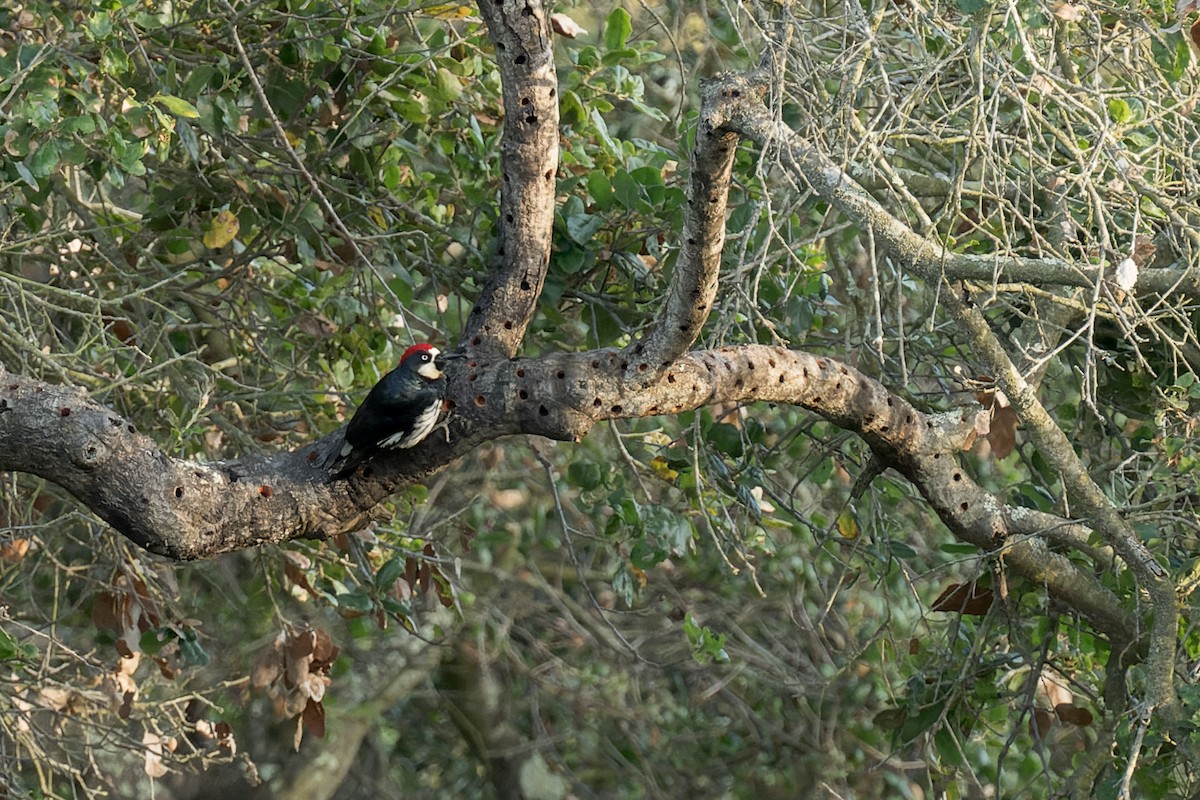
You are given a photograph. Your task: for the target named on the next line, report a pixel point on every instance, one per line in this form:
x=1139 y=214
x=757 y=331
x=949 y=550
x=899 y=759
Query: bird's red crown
x=416 y=348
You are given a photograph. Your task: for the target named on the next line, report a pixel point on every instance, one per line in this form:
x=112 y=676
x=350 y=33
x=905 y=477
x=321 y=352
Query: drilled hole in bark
x=524 y=395
x=521 y=373
x=475 y=342
x=451 y=405
x=560 y=374
x=595 y=364
x=624 y=365
x=597 y=402
x=740 y=383
x=670 y=377
x=500 y=251
x=652 y=410
x=737 y=93
x=553 y=92
x=817 y=400
x=805 y=372
x=750 y=365
x=64 y=411
x=90 y=451
x=712 y=198
x=265 y=490
x=908 y=420
x=617 y=409
x=531 y=119
x=691 y=241
x=781 y=380
x=480 y=400
x=472 y=377
x=936 y=456
x=527 y=11
x=506 y=177
x=549 y=175
x=964 y=506
x=885 y=429
x=695 y=387
x=508 y=217
x=500 y=46
x=957 y=477
x=685 y=328
x=770 y=362
x=643 y=367
x=519 y=60
x=179 y=491
x=130 y=428
x=525 y=286
x=524 y=101
x=545 y=412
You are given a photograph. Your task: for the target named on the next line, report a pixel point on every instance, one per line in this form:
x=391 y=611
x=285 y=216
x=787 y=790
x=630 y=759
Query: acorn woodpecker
x=400 y=410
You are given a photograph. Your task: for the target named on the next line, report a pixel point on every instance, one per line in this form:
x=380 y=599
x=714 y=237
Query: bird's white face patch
x=429 y=369
x=423 y=425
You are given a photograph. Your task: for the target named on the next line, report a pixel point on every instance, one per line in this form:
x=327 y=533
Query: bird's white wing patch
x=422 y=426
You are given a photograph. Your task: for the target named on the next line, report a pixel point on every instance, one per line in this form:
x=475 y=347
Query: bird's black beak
x=446 y=359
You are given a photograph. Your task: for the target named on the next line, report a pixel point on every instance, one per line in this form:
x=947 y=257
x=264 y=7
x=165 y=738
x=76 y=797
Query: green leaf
x=582 y=227
x=356 y=601
x=626 y=190
x=570 y=109
x=1119 y=110
x=176 y=105
x=617 y=28
x=43 y=160
x=726 y=439
x=587 y=475
x=392 y=569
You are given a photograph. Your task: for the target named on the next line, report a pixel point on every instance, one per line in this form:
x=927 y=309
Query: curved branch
x=694 y=278
x=529 y=164
x=185 y=510
x=749 y=117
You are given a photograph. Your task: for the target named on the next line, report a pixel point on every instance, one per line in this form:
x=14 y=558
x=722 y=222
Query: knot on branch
x=92 y=453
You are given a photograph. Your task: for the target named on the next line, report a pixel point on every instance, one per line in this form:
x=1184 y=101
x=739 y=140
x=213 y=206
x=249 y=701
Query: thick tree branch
x=748 y=116
x=694 y=278
x=185 y=510
x=529 y=164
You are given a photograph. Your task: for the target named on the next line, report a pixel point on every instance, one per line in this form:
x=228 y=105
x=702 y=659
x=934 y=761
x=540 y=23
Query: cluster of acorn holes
x=481 y=400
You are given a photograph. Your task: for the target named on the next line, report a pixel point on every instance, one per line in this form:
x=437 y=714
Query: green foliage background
x=700 y=605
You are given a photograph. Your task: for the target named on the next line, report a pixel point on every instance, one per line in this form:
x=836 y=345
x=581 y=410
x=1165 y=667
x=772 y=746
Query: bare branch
x=749 y=117
x=694 y=279
x=1087 y=500
x=529 y=156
